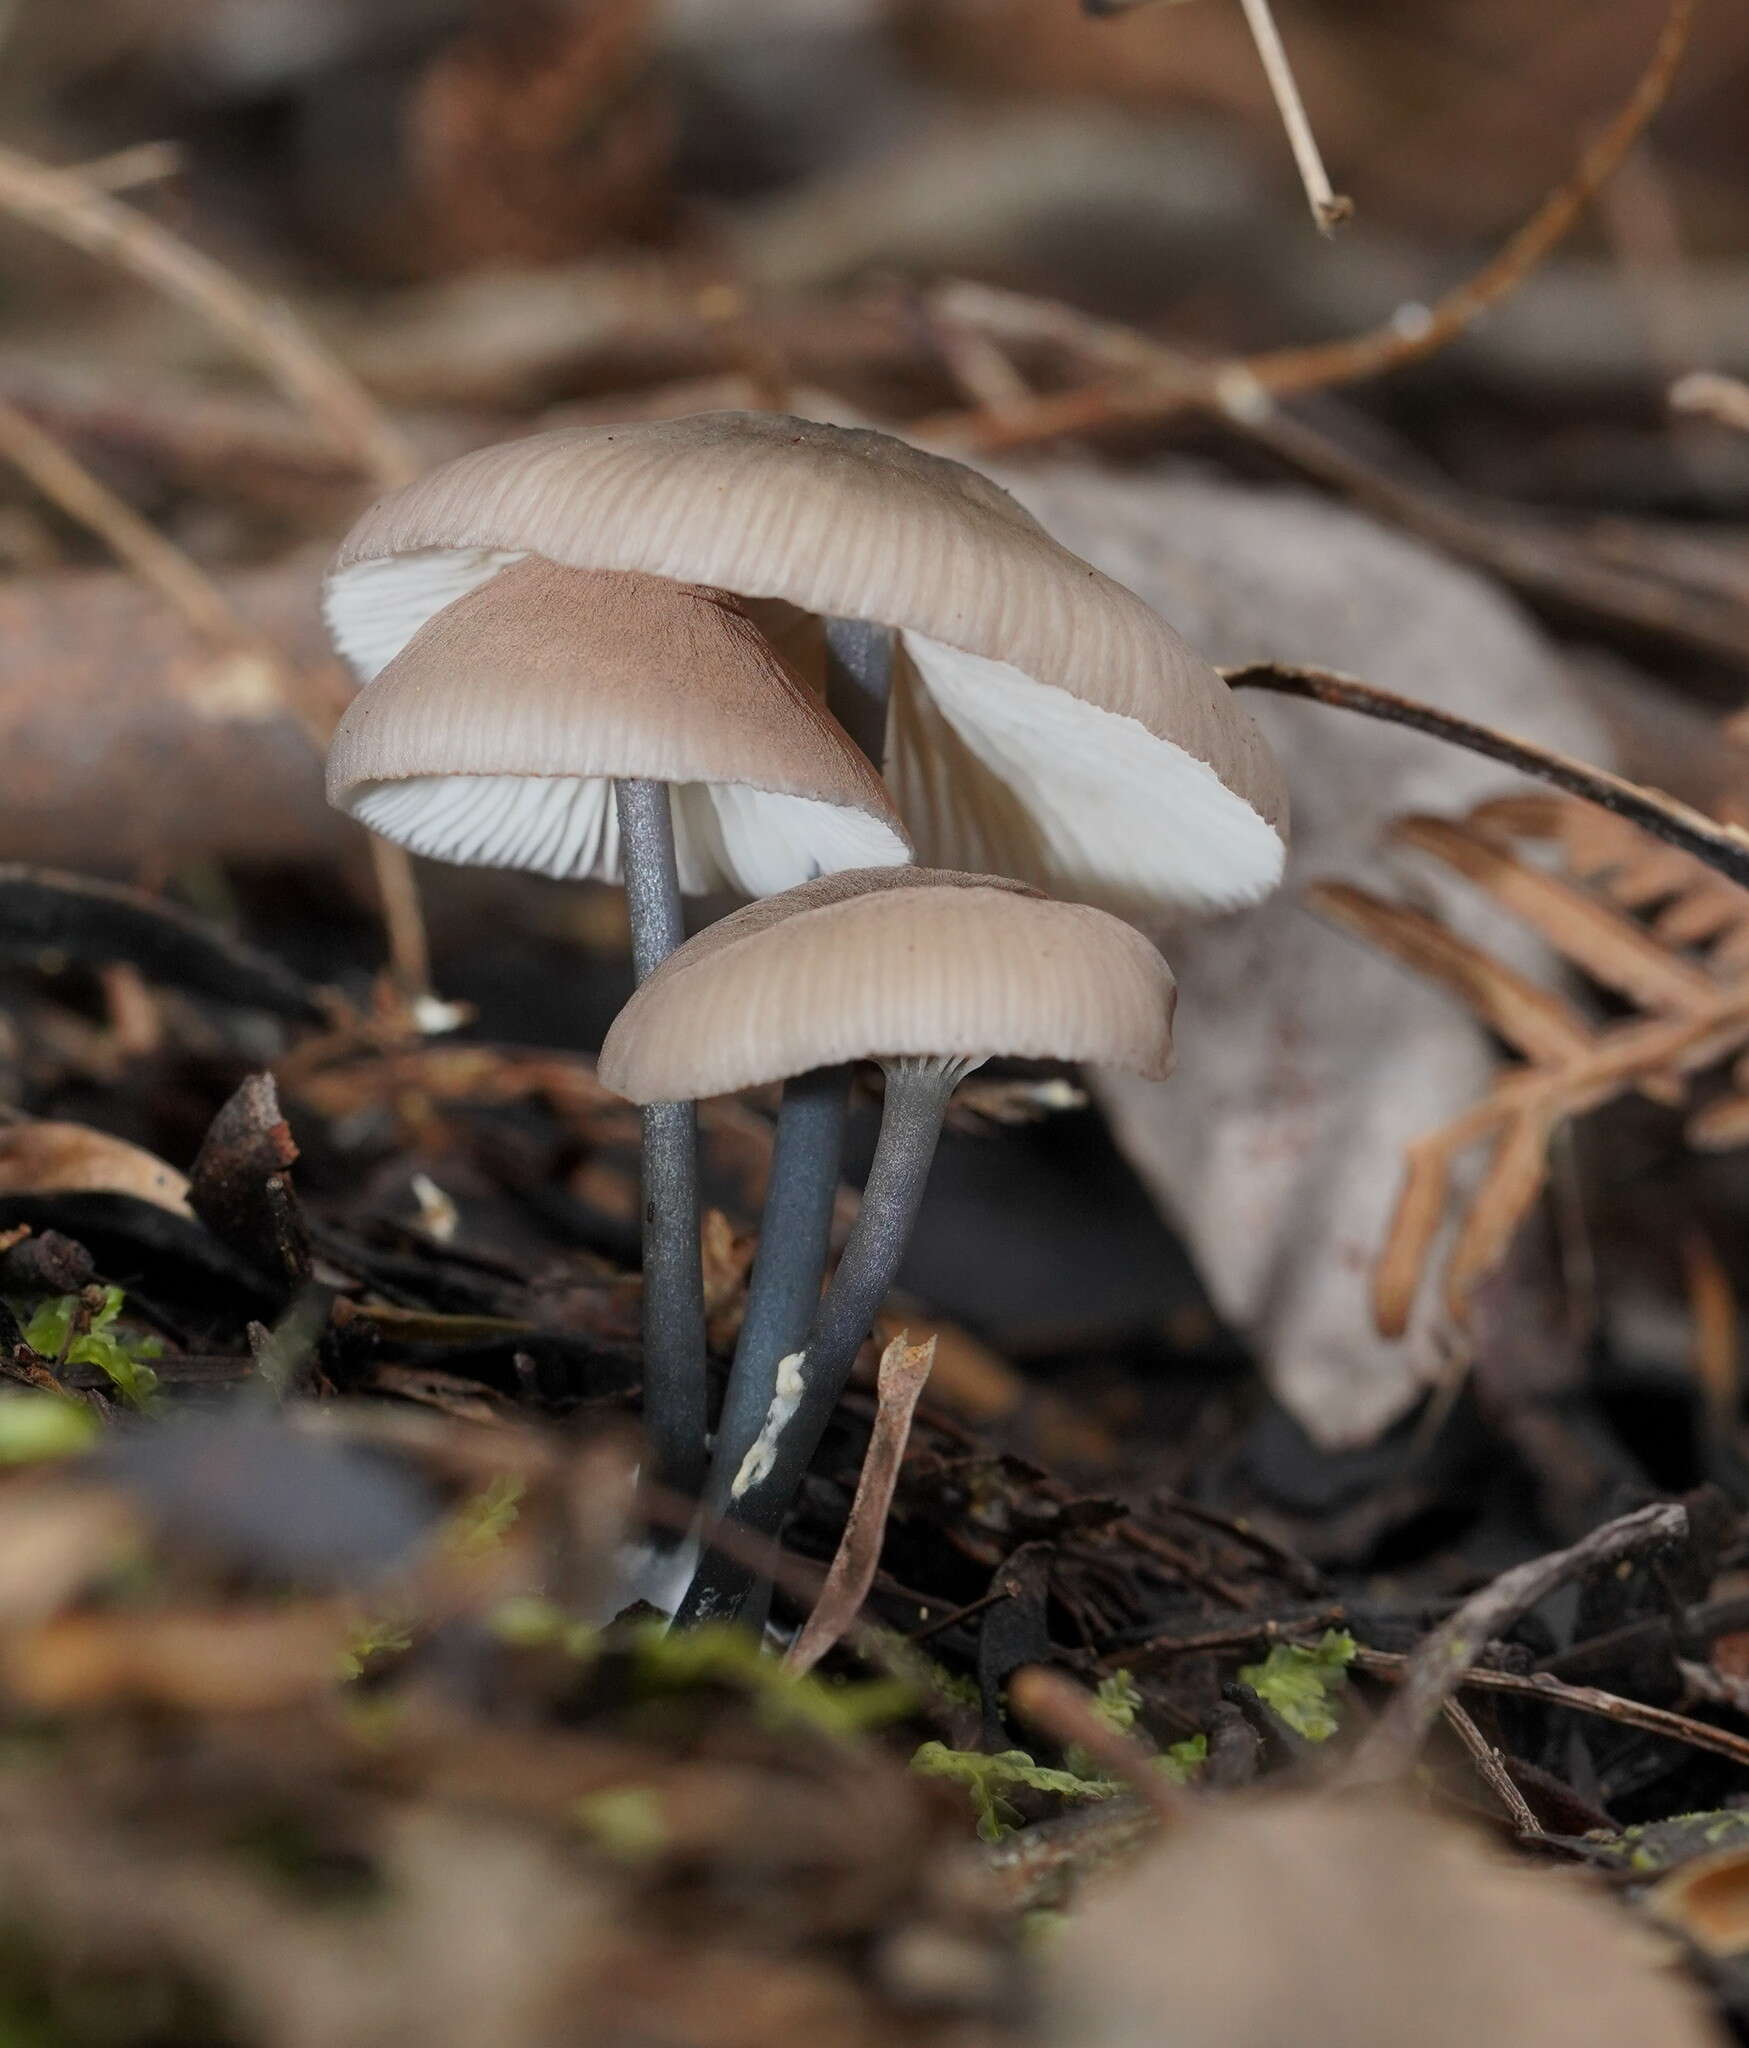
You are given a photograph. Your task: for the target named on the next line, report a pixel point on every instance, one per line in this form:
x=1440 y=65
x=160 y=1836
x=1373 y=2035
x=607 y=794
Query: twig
x=1724 y=847
x=126 y=170
x=1492 y=1767
x=160 y=565
x=1329 y=208
x=189 y=591
x=1239 y=1635
x=64 y=203
x=1390 y=1747
x=1580 y=1699
x=1167 y=385
x=904 y=1369
x=1714 y=397
x=1061 y=1710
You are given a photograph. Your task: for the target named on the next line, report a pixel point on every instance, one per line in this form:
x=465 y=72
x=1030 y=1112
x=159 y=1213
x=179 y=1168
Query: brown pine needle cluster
x=1650 y=925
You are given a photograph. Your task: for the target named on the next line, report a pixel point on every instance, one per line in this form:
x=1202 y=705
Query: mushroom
x=1045 y=723
x=929 y=973
x=593 y=723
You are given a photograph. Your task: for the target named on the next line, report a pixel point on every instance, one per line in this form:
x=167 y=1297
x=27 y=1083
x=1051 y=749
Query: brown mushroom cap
x=889 y=963
x=1048 y=722
x=494 y=737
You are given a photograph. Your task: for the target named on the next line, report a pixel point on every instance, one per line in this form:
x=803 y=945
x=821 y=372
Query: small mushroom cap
x=46 y=1157
x=494 y=737
x=1047 y=722
x=890 y=963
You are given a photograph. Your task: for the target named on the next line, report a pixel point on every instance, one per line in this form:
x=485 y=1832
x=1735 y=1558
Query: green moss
x=669 y=1660
x=989 y=1780
x=626 y=1822
x=38 y=1427
x=1302 y=1682
x=70 y=1331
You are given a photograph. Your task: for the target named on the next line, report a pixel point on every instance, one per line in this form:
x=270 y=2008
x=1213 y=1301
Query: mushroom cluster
x=746 y=652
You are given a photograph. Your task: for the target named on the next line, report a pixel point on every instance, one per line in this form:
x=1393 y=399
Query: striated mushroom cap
x=1046 y=722
x=890 y=963
x=493 y=738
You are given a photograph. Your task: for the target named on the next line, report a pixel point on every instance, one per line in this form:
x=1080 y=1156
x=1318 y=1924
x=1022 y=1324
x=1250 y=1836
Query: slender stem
x=674 y=1335
x=765 y=1486
x=1720 y=846
x=859 y=680
x=795 y=1231
x=1327 y=206
x=783 y=1293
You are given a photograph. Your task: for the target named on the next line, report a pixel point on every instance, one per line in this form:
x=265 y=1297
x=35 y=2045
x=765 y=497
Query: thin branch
x=187 y=589
x=1712 y=397
x=904 y=1371
x=64 y=203
x=160 y=565
x=1578 y=1699
x=1392 y=1744
x=126 y=170
x=1491 y=1766
x=1329 y=208
x=1724 y=847
x=1168 y=385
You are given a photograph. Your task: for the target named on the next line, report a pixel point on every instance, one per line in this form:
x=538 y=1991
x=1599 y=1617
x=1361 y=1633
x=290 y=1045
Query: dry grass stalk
x=70 y=204
x=1148 y=383
x=904 y=1371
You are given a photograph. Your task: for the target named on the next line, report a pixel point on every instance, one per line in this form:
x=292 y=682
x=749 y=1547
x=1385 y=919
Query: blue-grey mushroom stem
x=783 y=1293
x=810 y=1382
x=859 y=681
x=673 y=1316
x=783 y=1290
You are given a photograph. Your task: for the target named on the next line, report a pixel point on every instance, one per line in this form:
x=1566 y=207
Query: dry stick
x=126 y=170
x=1060 y=1709
x=1392 y=1744
x=904 y=1370
x=1579 y=1699
x=64 y=203
x=1329 y=208
x=159 y=564
x=1169 y=386
x=1724 y=847
x=1713 y=397
x=1491 y=1766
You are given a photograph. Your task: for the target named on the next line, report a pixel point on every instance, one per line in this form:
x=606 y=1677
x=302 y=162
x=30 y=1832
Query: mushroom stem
x=783 y=1292
x=810 y=1383
x=859 y=680
x=673 y=1317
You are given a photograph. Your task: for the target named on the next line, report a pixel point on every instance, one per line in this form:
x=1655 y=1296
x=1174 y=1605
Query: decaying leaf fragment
x=40 y=1156
x=1644 y=922
x=1353 y=1924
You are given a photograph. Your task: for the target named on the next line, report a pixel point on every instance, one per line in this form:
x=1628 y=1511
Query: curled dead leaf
x=49 y=1157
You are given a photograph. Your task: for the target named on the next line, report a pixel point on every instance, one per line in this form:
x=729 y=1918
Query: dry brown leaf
x=1306 y=1068
x=44 y=1157
x=1352 y=1924
x=1707 y=1901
